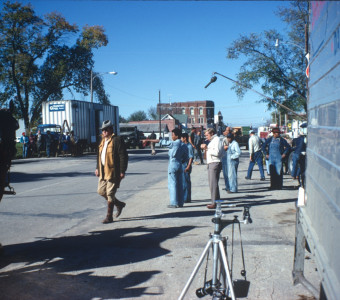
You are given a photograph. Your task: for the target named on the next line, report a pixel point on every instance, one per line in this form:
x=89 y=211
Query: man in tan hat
x=275 y=149
x=112 y=162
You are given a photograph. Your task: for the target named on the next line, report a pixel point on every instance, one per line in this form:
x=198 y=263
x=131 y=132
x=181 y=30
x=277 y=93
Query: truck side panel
x=321 y=215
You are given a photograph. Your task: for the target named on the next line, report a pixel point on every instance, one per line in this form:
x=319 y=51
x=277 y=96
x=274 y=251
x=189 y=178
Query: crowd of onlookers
x=37 y=145
x=222 y=153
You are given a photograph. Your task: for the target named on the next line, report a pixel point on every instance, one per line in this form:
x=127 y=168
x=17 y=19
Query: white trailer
x=84 y=118
x=318 y=217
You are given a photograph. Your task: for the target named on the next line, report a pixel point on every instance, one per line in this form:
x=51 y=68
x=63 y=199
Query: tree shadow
x=17 y=177
x=42 y=266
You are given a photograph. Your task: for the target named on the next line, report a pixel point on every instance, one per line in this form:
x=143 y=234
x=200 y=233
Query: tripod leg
x=194 y=272
x=226 y=267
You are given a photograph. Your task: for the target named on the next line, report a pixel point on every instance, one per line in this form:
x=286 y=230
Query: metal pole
x=160 y=110
x=270 y=99
x=91 y=88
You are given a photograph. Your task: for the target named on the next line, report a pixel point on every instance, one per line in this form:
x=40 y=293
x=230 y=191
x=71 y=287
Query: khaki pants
x=107 y=189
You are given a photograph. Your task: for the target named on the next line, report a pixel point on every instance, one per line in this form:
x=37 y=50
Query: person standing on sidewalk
x=275 y=148
x=152 y=144
x=233 y=154
x=187 y=166
x=24 y=141
x=112 y=162
x=225 y=160
x=178 y=153
x=197 y=150
x=214 y=164
x=255 y=154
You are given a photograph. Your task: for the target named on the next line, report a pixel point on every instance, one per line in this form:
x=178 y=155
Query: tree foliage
x=152 y=113
x=137 y=116
x=280 y=71
x=37 y=65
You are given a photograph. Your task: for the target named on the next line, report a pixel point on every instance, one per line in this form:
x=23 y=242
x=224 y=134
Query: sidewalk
x=180 y=235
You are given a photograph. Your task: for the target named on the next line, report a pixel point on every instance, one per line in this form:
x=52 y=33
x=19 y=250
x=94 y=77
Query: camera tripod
x=221 y=285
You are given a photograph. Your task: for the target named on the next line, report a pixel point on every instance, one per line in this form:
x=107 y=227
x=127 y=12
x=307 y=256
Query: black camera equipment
x=221 y=285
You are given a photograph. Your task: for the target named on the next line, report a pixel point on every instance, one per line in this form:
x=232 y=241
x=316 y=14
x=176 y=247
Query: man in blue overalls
x=177 y=155
x=187 y=166
x=275 y=149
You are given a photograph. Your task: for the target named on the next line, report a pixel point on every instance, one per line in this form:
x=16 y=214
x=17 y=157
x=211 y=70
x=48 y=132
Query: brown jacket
x=116 y=160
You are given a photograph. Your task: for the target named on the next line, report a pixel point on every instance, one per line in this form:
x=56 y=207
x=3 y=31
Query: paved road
x=56 y=248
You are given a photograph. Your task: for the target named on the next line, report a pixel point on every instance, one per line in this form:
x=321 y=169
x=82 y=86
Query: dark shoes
x=248 y=178
x=108 y=220
x=211 y=206
x=263 y=179
x=120 y=208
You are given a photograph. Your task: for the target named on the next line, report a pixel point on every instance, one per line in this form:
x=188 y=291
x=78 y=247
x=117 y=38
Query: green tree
x=35 y=63
x=280 y=71
x=152 y=113
x=122 y=119
x=137 y=116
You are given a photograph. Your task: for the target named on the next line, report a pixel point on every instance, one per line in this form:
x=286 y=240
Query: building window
x=192 y=112
x=189 y=120
x=201 y=111
x=183 y=110
x=200 y=120
x=192 y=120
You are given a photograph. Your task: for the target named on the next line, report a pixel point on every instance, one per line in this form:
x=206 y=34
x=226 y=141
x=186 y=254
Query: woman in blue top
x=275 y=149
x=233 y=154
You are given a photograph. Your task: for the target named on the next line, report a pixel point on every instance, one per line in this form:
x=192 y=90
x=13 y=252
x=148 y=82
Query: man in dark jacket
x=275 y=149
x=112 y=162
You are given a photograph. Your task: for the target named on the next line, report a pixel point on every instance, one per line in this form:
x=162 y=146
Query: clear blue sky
x=172 y=46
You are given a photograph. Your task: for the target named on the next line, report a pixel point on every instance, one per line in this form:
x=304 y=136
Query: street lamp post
x=93 y=77
x=214 y=78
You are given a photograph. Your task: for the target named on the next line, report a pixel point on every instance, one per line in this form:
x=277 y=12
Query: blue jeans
x=186 y=185
x=225 y=172
x=258 y=158
x=24 y=150
x=232 y=172
x=296 y=168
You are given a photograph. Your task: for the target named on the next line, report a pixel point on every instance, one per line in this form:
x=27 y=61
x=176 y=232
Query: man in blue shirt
x=187 y=167
x=177 y=155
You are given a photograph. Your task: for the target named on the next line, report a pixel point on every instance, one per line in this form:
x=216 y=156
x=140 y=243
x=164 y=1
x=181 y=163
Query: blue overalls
x=233 y=154
x=275 y=164
x=225 y=171
x=186 y=175
x=177 y=154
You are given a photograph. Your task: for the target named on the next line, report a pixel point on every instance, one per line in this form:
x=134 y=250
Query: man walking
x=198 y=151
x=255 y=154
x=24 y=141
x=112 y=162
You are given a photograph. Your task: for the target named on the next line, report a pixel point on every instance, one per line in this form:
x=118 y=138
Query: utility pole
x=160 y=112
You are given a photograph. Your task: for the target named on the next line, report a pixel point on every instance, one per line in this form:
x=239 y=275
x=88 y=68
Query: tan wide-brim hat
x=106 y=124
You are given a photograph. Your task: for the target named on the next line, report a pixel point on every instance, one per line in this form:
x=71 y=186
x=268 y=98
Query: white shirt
x=103 y=156
x=212 y=150
x=254 y=144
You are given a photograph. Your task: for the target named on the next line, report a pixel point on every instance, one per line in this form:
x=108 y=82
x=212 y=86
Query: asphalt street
x=55 y=247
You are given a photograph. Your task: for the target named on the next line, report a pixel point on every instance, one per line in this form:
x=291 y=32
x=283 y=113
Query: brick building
x=200 y=113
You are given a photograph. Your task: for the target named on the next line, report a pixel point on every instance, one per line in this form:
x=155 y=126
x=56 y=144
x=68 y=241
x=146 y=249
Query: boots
x=120 y=205
x=109 y=218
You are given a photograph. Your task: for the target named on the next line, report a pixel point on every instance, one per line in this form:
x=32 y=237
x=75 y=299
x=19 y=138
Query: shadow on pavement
x=17 y=177
x=35 y=262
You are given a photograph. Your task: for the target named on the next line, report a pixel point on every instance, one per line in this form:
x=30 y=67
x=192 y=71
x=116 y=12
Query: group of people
x=35 y=144
x=221 y=153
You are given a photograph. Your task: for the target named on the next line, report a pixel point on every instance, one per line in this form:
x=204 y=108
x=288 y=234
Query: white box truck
x=84 y=118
